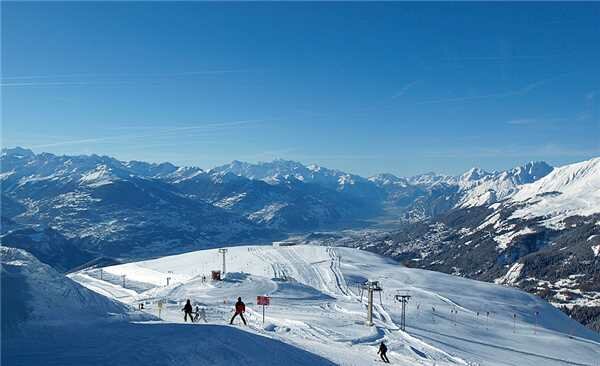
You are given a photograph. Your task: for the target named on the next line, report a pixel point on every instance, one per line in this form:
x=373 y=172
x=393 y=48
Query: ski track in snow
x=313 y=308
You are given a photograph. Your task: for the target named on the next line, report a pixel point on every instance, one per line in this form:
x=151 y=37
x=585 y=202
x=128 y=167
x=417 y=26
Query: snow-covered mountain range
x=415 y=197
x=513 y=227
x=542 y=236
x=108 y=207
x=112 y=207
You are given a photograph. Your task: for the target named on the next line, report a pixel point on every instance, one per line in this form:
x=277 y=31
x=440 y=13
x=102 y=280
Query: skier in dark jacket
x=240 y=309
x=382 y=352
x=188 y=310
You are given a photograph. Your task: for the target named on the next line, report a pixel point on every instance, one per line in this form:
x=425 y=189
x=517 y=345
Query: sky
x=367 y=88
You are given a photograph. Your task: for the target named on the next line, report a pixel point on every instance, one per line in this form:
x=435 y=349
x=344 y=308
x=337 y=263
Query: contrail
x=405 y=88
x=37 y=80
x=521 y=91
x=99 y=75
x=169 y=131
x=63 y=83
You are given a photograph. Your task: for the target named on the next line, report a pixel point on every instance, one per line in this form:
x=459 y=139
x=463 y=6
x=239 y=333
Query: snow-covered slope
x=48 y=319
x=316 y=305
x=569 y=190
x=33 y=292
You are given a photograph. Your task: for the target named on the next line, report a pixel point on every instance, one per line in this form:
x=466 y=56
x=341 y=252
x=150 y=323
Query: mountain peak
x=17 y=152
x=559 y=194
x=473 y=174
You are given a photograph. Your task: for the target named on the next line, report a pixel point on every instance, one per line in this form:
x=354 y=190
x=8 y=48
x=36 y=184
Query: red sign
x=262 y=300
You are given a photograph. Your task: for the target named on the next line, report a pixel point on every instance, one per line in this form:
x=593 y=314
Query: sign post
x=264 y=301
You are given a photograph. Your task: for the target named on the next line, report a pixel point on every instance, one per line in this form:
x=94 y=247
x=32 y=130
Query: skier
x=200 y=314
x=187 y=309
x=240 y=309
x=382 y=352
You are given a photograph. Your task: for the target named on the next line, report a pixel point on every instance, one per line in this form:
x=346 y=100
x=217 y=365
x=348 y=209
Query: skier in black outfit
x=382 y=352
x=188 y=310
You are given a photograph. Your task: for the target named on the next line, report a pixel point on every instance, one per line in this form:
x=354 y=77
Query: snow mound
x=33 y=292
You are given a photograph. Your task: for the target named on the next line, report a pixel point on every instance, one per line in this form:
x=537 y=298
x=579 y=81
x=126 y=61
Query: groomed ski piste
x=317 y=305
x=48 y=319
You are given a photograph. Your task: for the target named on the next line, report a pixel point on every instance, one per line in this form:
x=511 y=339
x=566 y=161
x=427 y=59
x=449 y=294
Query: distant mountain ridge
x=533 y=226
x=333 y=196
x=542 y=236
x=108 y=207
x=415 y=197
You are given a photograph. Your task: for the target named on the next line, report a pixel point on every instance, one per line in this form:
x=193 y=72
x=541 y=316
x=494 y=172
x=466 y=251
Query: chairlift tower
x=370 y=287
x=403 y=298
x=223 y=251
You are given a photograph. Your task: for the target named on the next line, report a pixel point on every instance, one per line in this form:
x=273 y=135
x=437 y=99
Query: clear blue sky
x=373 y=87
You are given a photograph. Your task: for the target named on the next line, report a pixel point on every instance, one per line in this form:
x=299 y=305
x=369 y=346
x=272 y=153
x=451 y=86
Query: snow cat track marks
x=525 y=353
x=385 y=317
x=334 y=266
x=307 y=273
x=448 y=301
x=404 y=337
x=261 y=255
